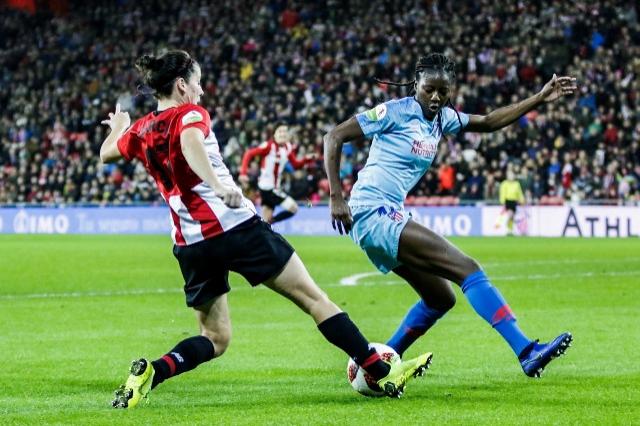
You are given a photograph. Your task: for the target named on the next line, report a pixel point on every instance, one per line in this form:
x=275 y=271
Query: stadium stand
x=312 y=64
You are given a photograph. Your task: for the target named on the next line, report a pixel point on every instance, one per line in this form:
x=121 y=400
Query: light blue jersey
x=404 y=146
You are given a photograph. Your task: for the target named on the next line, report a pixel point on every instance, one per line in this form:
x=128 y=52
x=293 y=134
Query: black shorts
x=272 y=198
x=251 y=249
x=511 y=205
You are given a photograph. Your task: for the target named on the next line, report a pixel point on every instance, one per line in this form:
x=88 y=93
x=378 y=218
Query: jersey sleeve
x=295 y=162
x=261 y=150
x=377 y=120
x=451 y=125
x=128 y=145
x=195 y=116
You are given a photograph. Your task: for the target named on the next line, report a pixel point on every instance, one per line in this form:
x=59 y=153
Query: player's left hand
x=230 y=196
x=558 y=87
x=340 y=214
x=118 y=120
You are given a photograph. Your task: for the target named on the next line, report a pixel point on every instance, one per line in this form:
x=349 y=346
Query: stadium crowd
x=311 y=64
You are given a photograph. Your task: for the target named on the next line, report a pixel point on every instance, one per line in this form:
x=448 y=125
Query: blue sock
x=490 y=305
x=417 y=321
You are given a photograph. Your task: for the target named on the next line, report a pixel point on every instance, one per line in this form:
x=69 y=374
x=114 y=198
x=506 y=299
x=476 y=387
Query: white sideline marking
x=353 y=279
x=529 y=277
x=560 y=262
x=134 y=292
x=72 y=294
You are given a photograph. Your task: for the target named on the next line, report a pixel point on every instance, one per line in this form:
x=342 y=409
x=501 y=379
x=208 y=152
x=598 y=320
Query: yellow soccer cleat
x=393 y=384
x=137 y=386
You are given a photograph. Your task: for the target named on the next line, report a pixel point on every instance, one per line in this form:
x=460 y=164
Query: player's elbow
x=487 y=123
x=328 y=139
x=107 y=157
x=331 y=143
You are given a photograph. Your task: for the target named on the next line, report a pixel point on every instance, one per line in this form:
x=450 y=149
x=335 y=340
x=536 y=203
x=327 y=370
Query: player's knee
x=444 y=303
x=290 y=205
x=220 y=340
x=469 y=265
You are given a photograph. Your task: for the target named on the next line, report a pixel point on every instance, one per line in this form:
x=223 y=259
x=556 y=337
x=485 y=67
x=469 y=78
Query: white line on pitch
x=560 y=262
x=352 y=280
x=135 y=292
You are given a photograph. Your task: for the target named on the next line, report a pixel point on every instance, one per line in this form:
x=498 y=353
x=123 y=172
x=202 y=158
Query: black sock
x=186 y=356
x=343 y=333
x=285 y=214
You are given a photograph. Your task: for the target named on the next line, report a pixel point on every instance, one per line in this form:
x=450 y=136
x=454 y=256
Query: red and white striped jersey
x=196 y=212
x=274 y=158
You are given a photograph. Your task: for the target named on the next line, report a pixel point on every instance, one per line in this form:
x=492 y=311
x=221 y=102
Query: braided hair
x=433 y=62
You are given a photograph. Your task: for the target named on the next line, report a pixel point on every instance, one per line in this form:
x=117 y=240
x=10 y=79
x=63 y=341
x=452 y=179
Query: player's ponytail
x=160 y=72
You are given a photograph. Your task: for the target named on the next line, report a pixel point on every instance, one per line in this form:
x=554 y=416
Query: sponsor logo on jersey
x=191 y=117
x=425 y=148
x=377 y=113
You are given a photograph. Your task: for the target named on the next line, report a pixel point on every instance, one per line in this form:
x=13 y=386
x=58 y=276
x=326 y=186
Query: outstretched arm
x=553 y=90
x=299 y=163
x=249 y=154
x=346 y=131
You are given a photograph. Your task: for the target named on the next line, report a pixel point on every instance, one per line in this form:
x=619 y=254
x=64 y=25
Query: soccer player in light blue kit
x=405 y=136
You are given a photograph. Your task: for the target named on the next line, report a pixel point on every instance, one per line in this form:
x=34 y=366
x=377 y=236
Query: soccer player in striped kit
x=216 y=230
x=274 y=155
x=406 y=133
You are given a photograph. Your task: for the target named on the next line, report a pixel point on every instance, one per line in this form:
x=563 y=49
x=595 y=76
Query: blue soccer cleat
x=539 y=355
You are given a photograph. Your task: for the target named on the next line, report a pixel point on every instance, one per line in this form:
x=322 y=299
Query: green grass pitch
x=75 y=310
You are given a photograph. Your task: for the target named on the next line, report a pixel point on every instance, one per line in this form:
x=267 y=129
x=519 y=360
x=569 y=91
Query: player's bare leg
x=431 y=288
x=422 y=248
x=436 y=298
x=289 y=208
x=215 y=329
x=215 y=323
x=295 y=283
x=510 y=218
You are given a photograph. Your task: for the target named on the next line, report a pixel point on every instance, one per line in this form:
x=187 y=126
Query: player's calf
x=145 y=375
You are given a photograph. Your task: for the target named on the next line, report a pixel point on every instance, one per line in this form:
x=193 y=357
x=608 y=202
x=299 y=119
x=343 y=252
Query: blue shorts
x=377 y=231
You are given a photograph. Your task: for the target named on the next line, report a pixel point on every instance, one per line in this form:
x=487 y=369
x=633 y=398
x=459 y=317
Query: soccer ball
x=362 y=382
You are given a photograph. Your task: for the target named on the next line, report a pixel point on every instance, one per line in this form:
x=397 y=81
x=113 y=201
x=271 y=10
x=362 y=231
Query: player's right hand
x=231 y=196
x=340 y=215
x=118 y=120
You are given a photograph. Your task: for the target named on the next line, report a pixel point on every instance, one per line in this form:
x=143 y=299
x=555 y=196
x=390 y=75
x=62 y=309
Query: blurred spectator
x=447 y=177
